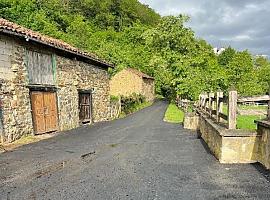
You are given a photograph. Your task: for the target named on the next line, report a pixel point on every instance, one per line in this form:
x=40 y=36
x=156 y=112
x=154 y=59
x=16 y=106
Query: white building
x=218 y=51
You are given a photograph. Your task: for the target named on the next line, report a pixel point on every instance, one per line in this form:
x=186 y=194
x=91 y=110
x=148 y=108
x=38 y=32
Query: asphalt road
x=139 y=157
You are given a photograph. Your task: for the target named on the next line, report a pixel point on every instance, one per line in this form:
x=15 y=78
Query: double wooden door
x=44 y=111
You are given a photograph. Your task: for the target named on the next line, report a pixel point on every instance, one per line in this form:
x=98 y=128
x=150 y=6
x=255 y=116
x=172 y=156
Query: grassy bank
x=174 y=114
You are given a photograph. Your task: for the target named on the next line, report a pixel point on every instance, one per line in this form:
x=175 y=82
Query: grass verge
x=174 y=114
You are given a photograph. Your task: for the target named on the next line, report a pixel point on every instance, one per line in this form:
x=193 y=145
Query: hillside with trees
x=130 y=34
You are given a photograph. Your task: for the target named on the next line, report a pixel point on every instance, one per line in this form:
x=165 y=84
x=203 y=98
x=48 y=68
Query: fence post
x=211 y=102
x=268 y=112
x=232 y=109
x=219 y=104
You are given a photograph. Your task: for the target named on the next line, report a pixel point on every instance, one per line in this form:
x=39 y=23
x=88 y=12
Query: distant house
x=218 y=51
x=130 y=81
x=47 y=85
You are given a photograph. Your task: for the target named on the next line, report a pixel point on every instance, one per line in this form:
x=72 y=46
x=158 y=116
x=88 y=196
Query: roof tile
x=9 y=26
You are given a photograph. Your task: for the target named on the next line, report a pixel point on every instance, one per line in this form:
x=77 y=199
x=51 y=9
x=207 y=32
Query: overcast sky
x=243 y=24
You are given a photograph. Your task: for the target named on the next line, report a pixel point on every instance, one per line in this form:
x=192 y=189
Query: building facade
x=47 y=85
x=129 y=81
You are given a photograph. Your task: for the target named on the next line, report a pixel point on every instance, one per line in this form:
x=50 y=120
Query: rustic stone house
x=130 y=81
x=47 y=85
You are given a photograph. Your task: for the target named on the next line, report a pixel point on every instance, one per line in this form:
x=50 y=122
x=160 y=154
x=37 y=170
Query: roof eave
x=9 y=32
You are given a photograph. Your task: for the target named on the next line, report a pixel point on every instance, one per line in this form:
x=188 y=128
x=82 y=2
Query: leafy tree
x=242 y=74
x=226 y=56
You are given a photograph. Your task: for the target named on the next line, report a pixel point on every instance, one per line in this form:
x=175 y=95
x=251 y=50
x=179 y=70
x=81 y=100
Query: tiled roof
x=15 y=29
x=139 y=73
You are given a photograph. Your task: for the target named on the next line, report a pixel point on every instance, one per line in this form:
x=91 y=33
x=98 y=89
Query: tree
x=242 y=74
x=226 y=56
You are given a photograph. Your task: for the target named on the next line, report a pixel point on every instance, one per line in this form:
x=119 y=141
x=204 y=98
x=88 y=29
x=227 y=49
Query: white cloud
x=242 y=24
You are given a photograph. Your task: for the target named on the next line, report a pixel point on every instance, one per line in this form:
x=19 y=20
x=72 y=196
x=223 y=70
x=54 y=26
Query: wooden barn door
x=44 y=111
x=85 y=107
x=38 y=112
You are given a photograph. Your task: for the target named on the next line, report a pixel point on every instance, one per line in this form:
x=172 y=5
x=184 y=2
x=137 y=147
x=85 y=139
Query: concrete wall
x=71 y=75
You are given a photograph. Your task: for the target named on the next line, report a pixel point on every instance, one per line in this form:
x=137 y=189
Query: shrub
x=130 y=103
x=114 y=99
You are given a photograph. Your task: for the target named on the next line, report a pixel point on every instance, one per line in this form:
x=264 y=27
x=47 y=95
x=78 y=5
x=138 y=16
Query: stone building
x=47 y=85
x=130 y=81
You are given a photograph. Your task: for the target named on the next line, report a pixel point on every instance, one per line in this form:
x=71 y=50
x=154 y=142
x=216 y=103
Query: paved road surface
x=139 y=157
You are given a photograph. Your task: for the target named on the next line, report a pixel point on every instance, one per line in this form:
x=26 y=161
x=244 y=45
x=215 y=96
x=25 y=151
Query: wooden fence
x=212 y=105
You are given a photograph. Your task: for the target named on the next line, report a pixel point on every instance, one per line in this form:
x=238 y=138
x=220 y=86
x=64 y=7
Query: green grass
x=245 y=107
x=174 y=114
x=246 y=122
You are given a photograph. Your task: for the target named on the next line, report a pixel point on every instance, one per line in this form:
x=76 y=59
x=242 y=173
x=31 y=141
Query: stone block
x=191 y=121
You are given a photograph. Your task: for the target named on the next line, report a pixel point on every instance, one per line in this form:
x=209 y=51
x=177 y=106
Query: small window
x=85 y=106
x=40 y=68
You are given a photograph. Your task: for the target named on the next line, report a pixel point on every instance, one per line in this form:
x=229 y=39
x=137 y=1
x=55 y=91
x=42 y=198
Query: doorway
x=85 y=106
x=44 y=111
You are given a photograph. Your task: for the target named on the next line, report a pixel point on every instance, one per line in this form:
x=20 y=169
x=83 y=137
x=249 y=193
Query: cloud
x=243 y=24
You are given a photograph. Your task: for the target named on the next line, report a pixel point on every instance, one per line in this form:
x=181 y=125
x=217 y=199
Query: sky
x=242 y=24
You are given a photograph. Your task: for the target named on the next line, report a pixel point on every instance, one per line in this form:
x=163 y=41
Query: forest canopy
x=130 y=34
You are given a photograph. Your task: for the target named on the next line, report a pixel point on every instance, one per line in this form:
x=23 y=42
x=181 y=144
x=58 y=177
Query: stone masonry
x=71 y=75
x=130 y=81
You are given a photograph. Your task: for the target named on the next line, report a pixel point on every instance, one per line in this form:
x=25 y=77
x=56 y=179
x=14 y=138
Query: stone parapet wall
x=264 y=147
x=234 y=146
x=229 y=146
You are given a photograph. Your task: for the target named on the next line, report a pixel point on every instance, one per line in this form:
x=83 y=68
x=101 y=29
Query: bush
x=129 y=104
x=114 y=99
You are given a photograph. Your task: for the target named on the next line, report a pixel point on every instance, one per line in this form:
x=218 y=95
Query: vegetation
x=130 y=34
x=174 y=114
x=246 y=122
x=132 y=103
x=114 y=99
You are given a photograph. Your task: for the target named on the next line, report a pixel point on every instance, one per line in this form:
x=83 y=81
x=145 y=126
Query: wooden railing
x=184 y=104
x=212 y=105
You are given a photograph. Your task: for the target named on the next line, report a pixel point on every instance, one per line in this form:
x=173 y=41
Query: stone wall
x=125 y=83
x=74 y=75
x=71 y=75
x=15 y=101
x=115 y=109
x=229 y=146
x=148 y=89
x=264 y=147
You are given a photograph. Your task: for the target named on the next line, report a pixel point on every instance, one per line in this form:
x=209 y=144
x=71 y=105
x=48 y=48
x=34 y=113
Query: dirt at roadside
x=24 y=141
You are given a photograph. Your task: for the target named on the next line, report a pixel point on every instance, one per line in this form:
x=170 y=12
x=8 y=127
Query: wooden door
x=38 y=112
x=44 y=111
x=85 y=105
x=50 y=111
